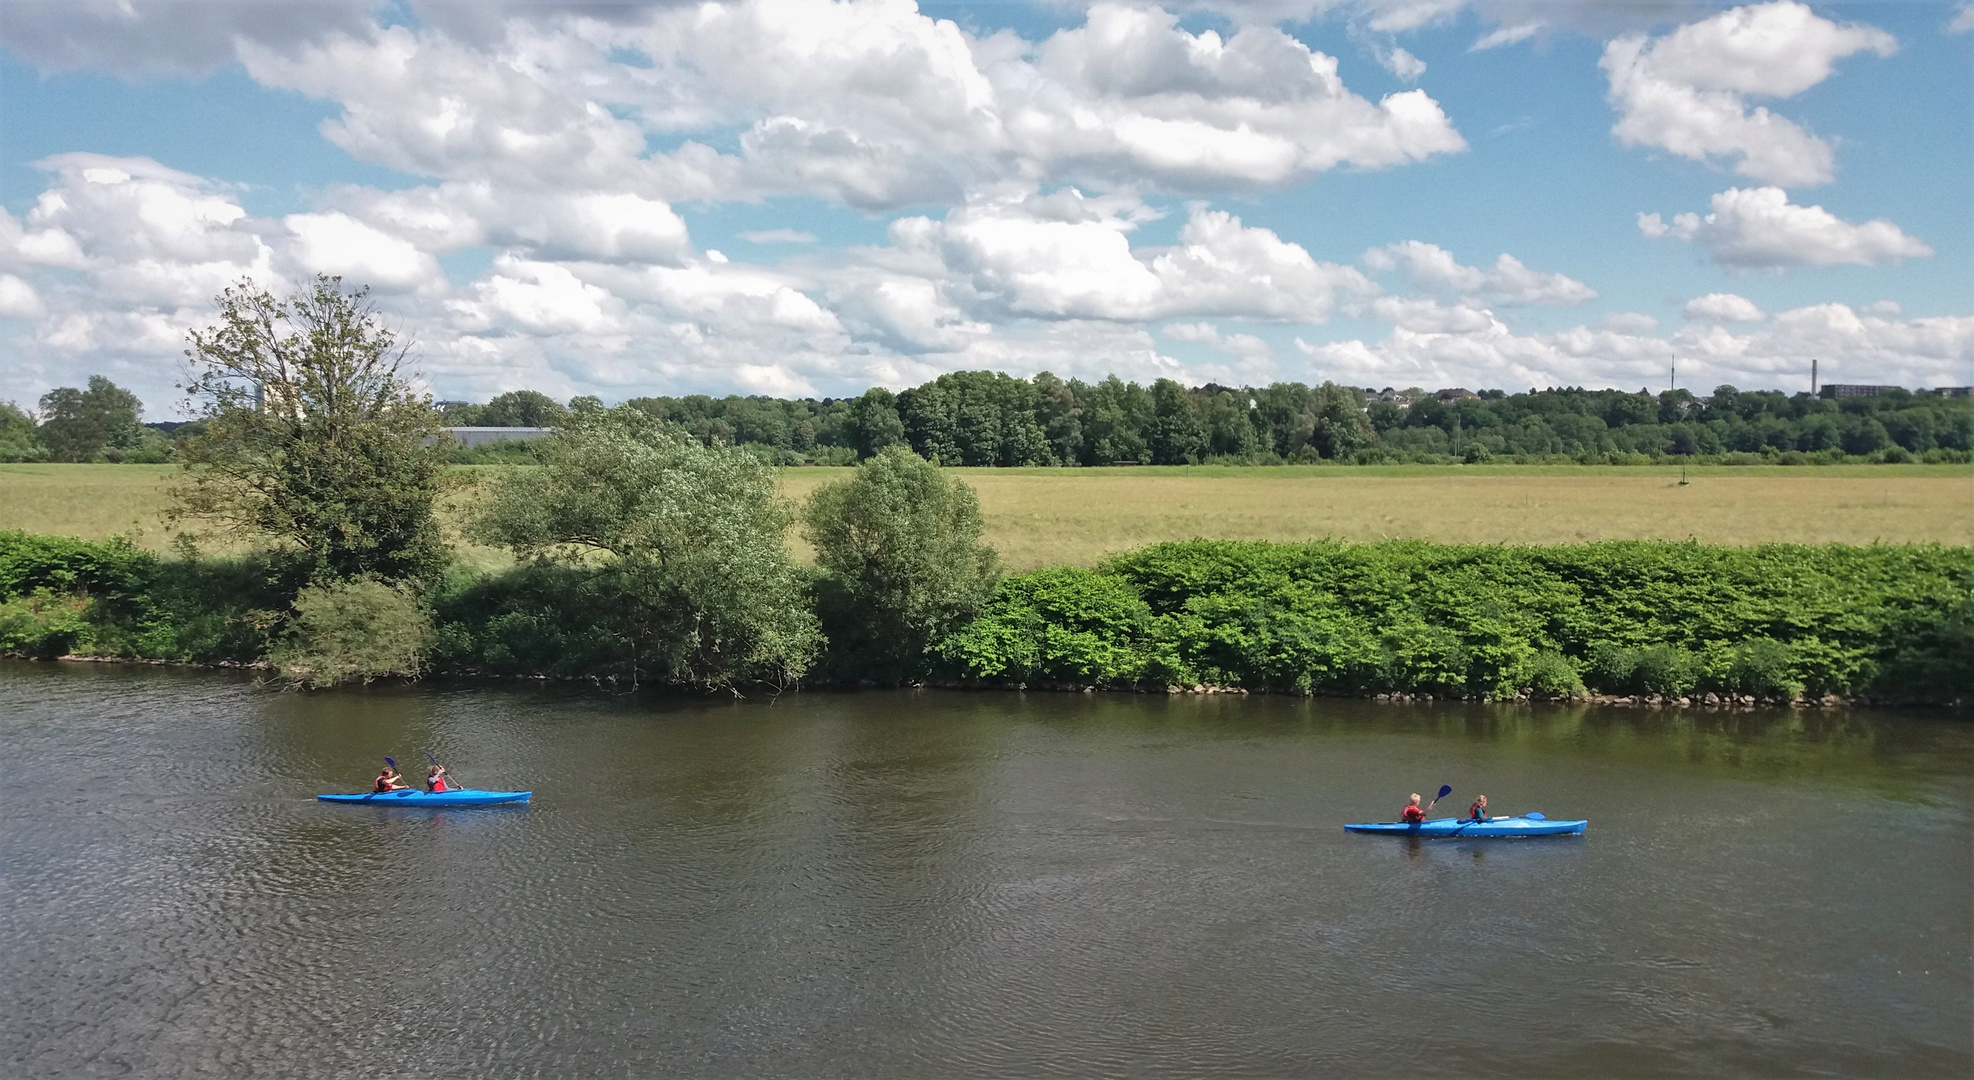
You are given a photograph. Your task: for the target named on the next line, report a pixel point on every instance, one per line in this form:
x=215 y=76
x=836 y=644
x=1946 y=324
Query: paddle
x=1444 y=791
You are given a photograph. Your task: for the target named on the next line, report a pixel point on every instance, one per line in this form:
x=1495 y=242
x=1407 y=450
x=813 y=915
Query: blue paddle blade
x=1445 y=790
x=391 y=761
x=429 y=757
x=1534 y=815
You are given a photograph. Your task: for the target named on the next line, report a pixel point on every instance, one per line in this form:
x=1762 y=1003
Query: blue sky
x=796 y=197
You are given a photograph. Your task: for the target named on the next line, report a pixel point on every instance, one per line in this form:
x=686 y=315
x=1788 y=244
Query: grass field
x=1042 y=517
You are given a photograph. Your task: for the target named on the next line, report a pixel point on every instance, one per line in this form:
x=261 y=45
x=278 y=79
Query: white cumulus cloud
x=1686 y=92
x=1245 y=347
x=1066 y=256
x=340 y=245
x=1724 y=307
x=1507 y=281
x=1759 y=228
x=1916 y=352
x=18 y=300
x=869 y=103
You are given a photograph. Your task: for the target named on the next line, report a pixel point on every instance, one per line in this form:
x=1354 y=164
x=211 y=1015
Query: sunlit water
x=943 y=884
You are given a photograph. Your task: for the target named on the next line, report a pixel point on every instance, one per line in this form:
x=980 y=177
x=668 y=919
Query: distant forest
x=982 y=418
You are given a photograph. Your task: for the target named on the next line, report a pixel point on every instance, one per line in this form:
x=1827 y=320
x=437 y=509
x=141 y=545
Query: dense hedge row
x=60 y=595
x=1625 y=617
x=1629 y=617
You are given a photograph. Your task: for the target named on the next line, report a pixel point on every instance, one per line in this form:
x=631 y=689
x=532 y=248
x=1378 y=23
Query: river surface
x=917 y=884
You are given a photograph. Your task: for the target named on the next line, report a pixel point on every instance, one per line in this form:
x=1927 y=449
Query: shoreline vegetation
x=1641 y=623
x=640 y=551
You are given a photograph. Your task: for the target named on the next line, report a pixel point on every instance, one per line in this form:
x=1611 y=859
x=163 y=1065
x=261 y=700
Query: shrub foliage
x=902 y=564
x=353 y=631
x=1634 y=617
x=1630 y=617
x=676 y=546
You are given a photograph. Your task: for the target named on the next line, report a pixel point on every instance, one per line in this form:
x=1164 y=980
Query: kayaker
x=1478 y=811
x=1412 y=814
x=389 y=780
x=435 y=778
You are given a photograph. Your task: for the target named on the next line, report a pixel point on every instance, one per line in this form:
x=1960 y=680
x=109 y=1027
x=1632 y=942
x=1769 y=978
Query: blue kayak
x=1454 y=828
x=414 y=797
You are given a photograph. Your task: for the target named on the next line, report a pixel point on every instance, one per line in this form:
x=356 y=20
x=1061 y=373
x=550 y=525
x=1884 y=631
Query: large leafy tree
x=899 y=546
x=523 y=408
x=18 y=439
x=873 y=423
x=1340 y=427
x=315 y=436
x=681 y=542
x=83 y=425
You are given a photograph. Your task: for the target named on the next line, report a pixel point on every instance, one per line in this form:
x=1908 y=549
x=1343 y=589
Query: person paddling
x=1478 y=811
x=435 y=778
x=389 y=780
x=1412 y=815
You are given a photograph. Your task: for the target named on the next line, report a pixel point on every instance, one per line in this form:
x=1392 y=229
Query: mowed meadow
x=1055 y=517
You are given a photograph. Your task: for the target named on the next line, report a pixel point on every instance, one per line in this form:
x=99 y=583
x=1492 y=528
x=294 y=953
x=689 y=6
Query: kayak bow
x=414 y=797
x=1455 y=828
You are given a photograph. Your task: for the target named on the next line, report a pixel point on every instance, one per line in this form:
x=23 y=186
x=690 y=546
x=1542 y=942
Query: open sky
x=798 y=197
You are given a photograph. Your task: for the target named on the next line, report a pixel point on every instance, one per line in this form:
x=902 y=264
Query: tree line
x=645 y=553
x=982 y=418
x=98 y=422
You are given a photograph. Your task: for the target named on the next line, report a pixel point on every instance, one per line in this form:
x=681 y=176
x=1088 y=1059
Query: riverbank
x=1708 y=702
x=1634 y=621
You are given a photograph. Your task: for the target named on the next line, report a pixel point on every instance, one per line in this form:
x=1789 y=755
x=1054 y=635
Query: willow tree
x=903 y=565
x=675 y=546
x=316 y=439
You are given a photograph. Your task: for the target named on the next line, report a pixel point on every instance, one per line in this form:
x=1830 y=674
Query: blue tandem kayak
x=414 y=797
x=1454 y=828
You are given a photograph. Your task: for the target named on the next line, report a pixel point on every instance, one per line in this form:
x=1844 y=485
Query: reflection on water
x=907 y=884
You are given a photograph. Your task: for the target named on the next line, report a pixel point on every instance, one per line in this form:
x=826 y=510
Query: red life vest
x=1411 y=814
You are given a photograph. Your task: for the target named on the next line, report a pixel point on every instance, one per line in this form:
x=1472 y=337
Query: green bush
x=1633 y=617
x=1665 y=669
x=898 y=544
x=682 y=545
x=1551 y=675
x=353 y=631
x=1612 y=668
x=1065 y=626
x=42 y=624
x=1764 y=668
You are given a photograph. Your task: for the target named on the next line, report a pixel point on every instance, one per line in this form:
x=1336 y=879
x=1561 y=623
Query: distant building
x=1846 y=390
x=1457 y=393
x=1954 y=391
x=480 y=436
x=448 y=404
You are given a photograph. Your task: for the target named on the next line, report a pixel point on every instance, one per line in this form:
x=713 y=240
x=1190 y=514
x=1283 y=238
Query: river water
x=932 y=883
